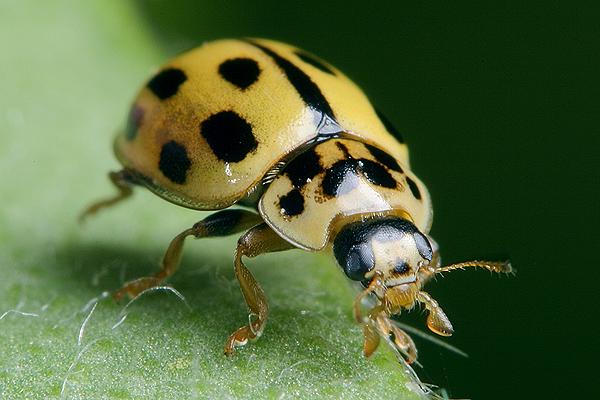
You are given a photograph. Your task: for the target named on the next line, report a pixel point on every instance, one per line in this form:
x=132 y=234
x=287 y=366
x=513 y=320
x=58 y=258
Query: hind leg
x=123 y=181
x=222 y=223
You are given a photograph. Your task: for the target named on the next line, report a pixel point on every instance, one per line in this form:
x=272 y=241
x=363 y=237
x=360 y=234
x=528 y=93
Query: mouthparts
x=400 y=296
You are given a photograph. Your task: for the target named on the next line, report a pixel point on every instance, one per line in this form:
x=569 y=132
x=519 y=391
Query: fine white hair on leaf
x=94 y=301
x=84 y=324
x=21 y=301
x=85 y=308
x=156 y=289
x=74 y=363
x=25 y=314
x=430 y=338
x=123 y=313
x=96 y=277
x=119 y=322
x=290 y=367
x=45 y=306
x=415 y=384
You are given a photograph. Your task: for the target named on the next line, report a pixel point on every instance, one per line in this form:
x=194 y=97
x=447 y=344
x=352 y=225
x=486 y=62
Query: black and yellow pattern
x=337 y=178
x=212 y=122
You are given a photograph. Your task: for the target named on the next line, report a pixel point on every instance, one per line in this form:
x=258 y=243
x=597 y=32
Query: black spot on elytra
x=384 y=158
x=306 y=88
x=341 y=178
x=303 y=168
x=229 y=136
x=174 y=162
x=314 y=61
x=389 y=127
x=134 y=120
x=166 y=83
x=413 y=188
x=242 y=72
x=292 y=203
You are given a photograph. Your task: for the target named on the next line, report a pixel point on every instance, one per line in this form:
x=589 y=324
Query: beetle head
x=391 y=249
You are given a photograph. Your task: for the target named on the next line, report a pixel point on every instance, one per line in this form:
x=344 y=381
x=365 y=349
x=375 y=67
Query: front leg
x=437 y=321
x=378 y=324
x=398 y=339
x=258 y=240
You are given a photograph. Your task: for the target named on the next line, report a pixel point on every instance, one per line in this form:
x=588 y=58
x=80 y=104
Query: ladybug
x=313 y=165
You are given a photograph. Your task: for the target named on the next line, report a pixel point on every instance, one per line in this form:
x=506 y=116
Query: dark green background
x=496 y=105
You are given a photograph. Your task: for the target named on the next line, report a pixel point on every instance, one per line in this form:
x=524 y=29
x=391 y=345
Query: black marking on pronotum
x=389 y=127
x=306 y=88
x=166 y=83
x=376 y=173
x=134 y=120
x=384 y=158
x=174 y=162
x=303 y=168
x=343 y=171
x=413 y=188
x=292 y=203
x=241 y=72
x=314 y=61
x=229 y=136
x=342 y=147
x=341 y=178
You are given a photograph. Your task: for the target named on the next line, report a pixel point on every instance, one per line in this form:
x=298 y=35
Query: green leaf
x=68 y=74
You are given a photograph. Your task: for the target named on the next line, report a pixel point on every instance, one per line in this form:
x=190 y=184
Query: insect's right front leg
x=378 y=324
x=399 y=339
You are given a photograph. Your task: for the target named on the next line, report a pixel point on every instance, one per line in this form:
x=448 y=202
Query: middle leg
x=258 y=240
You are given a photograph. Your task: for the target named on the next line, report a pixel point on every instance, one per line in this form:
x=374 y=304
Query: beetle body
x=267 y=126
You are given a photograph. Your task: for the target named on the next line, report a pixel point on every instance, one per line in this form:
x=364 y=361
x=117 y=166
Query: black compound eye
x=401 y=267
x=360 y=260
x=423 y=245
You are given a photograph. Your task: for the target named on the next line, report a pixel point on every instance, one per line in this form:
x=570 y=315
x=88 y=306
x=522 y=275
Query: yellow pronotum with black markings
x=272 y=128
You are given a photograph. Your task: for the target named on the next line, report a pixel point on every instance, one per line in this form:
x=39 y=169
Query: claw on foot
x=243 y=335
x=238 y=338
